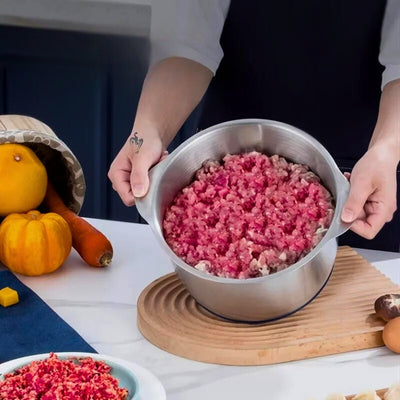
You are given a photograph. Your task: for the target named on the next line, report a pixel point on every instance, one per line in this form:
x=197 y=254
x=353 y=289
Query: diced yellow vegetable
x=8 y=297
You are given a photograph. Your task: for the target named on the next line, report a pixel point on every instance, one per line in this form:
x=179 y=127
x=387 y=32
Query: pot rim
x=336 y=228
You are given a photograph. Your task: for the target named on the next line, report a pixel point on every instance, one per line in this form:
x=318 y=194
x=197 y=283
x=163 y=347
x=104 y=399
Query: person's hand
x=372 y=199
x=129 y=170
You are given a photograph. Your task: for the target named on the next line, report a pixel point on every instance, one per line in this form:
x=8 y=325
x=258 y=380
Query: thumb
x=140 y=174
x=360 y=190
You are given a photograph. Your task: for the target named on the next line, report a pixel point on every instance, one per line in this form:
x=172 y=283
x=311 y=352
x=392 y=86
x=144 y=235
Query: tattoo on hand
x=135 y=140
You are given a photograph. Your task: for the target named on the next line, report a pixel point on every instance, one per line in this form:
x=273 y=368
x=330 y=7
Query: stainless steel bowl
x=255 y=299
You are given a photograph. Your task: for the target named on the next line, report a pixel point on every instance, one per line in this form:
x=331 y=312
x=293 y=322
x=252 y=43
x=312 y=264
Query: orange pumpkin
x=34 y=243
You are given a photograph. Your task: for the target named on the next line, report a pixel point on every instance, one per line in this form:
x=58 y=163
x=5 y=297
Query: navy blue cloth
x=32 y=327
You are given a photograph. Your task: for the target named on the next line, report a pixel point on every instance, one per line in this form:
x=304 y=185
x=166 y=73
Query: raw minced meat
x=248 y=216
x=56 y=379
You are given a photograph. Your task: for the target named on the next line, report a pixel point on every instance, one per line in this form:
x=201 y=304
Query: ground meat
x=248 y=216
x=55 y=379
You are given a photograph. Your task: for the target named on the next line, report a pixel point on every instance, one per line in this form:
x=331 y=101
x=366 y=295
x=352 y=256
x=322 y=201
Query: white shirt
x=192 y=29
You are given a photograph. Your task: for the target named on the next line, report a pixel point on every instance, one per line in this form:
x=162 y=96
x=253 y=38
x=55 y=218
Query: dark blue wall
x=86 y=88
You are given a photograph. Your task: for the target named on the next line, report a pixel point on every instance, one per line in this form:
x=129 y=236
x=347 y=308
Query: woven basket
x=63 y=168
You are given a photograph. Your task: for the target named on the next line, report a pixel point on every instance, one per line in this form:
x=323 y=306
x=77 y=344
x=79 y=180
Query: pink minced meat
x=249 y=216
x=55 y=379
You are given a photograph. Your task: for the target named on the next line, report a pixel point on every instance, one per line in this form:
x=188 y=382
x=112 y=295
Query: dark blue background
x=86 y=88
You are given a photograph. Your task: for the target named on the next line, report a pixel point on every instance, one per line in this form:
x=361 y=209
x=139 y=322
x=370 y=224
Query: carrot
x=94 y=248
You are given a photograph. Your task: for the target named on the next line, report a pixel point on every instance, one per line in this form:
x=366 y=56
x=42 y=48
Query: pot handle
x=339 y=227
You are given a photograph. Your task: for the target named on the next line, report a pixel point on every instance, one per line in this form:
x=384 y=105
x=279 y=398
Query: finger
x=121 y=184
x=362 y=215
x=347 y=175
x=360 y=190
x=164 y=155
x=139 y=177
x=377 y=207
x=369 y=227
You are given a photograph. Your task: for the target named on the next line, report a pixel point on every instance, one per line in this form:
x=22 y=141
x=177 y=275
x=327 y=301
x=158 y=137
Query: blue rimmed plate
x=141 y=384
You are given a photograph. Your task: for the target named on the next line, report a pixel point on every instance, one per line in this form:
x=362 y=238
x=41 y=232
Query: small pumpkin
x=33 y=243
x=23 y=179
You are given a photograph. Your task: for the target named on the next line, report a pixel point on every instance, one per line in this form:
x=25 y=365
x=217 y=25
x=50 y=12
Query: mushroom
x=388 y=306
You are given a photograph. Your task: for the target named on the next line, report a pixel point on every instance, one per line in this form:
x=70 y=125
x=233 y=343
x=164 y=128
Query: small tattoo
x=136 y=141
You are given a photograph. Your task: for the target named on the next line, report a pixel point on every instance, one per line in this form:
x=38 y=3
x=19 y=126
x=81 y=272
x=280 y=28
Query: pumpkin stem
x=34 y=214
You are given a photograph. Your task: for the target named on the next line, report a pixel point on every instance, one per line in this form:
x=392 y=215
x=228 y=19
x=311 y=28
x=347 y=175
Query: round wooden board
x=340 y=319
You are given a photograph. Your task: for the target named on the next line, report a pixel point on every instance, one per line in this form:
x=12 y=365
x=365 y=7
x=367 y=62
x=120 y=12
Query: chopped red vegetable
x=56 y=379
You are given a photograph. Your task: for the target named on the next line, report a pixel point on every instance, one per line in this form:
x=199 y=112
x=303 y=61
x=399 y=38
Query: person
x=312 y=64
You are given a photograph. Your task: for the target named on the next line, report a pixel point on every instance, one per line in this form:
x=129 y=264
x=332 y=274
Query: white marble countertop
x=121 y=17
x=101 y=305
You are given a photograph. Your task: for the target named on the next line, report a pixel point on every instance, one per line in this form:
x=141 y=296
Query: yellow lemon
x=23 y=179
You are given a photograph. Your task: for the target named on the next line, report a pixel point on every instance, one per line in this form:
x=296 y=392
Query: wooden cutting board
x=339 y=320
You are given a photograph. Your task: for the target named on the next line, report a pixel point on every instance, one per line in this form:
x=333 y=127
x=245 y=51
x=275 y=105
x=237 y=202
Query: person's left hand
x=372 y=199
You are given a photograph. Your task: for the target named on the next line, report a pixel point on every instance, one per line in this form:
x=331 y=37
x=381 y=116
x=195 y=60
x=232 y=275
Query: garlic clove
x=369 y=395
x=393 y=393
x=336 y=396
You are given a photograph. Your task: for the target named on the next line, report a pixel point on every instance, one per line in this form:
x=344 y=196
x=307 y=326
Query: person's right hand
x=129 y=170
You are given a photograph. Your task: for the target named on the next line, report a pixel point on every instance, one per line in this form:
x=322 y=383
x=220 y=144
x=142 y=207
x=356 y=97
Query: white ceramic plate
x=150 y=388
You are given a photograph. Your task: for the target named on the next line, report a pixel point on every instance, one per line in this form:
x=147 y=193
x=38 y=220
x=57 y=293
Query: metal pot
x=256 y=299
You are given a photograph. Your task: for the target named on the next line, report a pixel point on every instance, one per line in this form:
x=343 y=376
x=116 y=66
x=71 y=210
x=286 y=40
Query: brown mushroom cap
x=387 y=306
